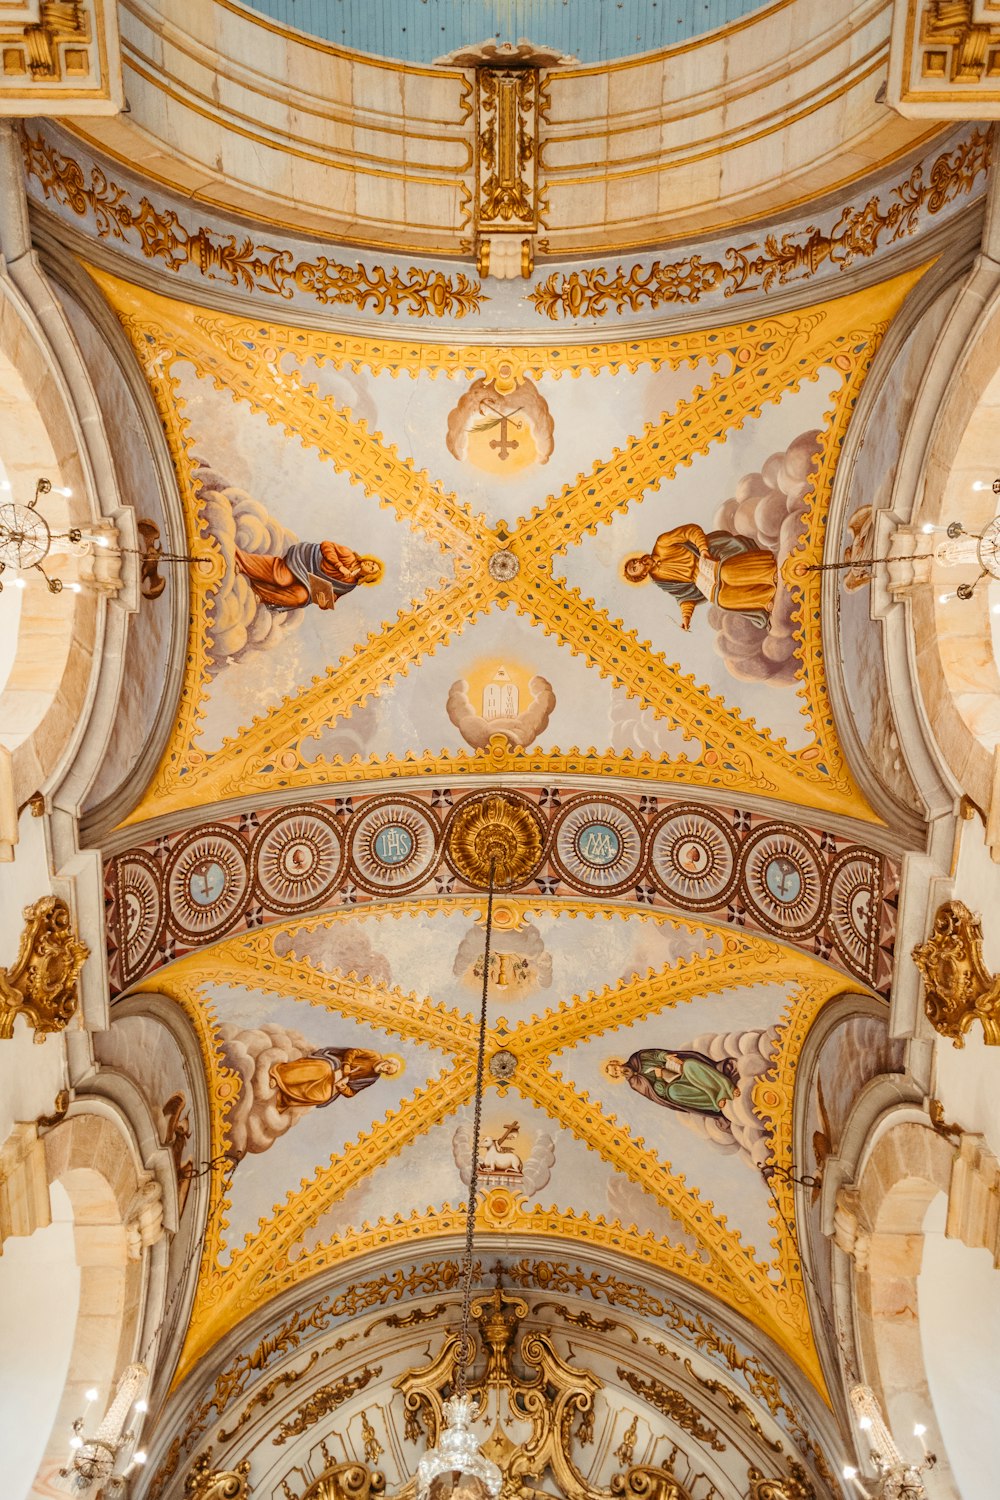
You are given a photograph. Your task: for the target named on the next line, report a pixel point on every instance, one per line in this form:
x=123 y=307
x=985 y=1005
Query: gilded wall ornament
x=506 y=207
x=795 y=1488
x=324 y=1401
x=205 y=1483
x=159 y=234
x=346 y=1482
x=496 y=831
x=958 y=987
x=41 y=984
x=645 y=1482
x=857 y=234
x=675 y=1406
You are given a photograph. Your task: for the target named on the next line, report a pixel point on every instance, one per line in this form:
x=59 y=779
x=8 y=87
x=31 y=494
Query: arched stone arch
x=880 y=1221
x=954 y=652
x=115 y=1217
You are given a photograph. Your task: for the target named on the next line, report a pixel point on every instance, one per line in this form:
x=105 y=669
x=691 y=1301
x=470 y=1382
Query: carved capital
x=944 y=60
x=41 y=985
x=851 y=1232
x=205 y=1483
x=974 y=1197
x=959 y=989
x=144 y=1225
x=60 y=57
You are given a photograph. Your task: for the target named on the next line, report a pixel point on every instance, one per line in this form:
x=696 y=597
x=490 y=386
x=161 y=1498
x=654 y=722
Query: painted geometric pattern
x=827 y=894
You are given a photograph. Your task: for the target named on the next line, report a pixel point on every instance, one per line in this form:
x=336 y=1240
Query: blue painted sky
x=418 y=31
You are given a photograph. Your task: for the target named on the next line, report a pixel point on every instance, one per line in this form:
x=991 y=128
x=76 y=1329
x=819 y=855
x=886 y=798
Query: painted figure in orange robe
x=329 y=1073
x=308 y=572
x=716 y=567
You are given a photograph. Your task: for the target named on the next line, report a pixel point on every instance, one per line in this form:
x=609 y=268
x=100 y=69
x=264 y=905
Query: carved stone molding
x=24 y=1183
x=944 y=60
x=205 y=1483
x=41 y=984
x=974 y=1197
x=959 y=989
x=60 y=57
x=506 y=188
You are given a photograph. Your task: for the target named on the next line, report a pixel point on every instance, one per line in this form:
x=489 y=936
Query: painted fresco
x=649 y=1056
x=437 y=555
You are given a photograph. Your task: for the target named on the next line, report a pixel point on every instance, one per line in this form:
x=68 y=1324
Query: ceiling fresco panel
x=393 y=566
x=661 y=1069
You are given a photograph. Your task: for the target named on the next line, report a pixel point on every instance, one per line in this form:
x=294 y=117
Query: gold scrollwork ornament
x=347 y=1481
x=205 y=1483
x=41 y=984
x=645 y=1482
x=959 y=989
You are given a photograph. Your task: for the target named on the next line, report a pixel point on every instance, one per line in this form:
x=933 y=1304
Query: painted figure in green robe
x=688 y=1081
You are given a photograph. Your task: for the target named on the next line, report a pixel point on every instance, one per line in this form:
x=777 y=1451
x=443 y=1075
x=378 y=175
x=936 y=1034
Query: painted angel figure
x=317 y=573
x=716 y=567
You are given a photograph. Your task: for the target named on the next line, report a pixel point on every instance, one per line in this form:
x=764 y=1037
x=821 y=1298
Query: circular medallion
x=854 y=909
x=783 y=879
x=140 y=908
x=394 y=845
x=693 y=857
x=498 y=831
x=503 y=565
x=297 y=857
x=597 y=844
x=206 y=882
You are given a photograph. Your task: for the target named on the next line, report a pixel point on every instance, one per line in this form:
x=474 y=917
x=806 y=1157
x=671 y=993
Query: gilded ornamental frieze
x=119 y=212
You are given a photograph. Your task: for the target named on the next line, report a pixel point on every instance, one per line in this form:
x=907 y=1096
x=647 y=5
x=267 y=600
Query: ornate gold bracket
x=506 y=198
x=776 y=1489
x=205 y=1483
x=41 y=985
x=959 y=989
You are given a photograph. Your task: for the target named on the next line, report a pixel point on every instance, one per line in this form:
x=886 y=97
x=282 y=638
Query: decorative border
x=160 y=236
x=854 y=234
x=821 y=891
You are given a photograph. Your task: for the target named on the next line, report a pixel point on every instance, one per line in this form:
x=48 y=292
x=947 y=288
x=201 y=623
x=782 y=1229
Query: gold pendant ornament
x=41 y=984
x=494 y=831
x=959 y=989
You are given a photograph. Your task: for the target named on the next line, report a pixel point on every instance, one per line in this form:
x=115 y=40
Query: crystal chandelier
x=26 y=537
x=457 y=1468
x=92 y=1460
x=897 y=1479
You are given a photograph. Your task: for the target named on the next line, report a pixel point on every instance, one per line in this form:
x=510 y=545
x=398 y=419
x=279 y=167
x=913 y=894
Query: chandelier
x=897 y=1479
x=26 y=537
x=492 y=838
x=92 y=1460
x=960 y=548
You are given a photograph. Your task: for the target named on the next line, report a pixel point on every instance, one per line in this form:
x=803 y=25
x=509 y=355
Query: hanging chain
x=864 y=562
x=462 y=1367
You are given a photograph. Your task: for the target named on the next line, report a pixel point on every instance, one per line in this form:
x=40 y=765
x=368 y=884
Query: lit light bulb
x=92 y=1394
x=927 y=528
x=19 y=583
x=140 y=1457
x=919 y=1429
x=102 y=541
x=943 y=598
x=995 y=609
x=67 y=492
x=142 y=1406
x=848 y=1472
x=74 y=588
x=5 y=484
x=979 y=485
x=76 y=1441
x=865 y=1424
